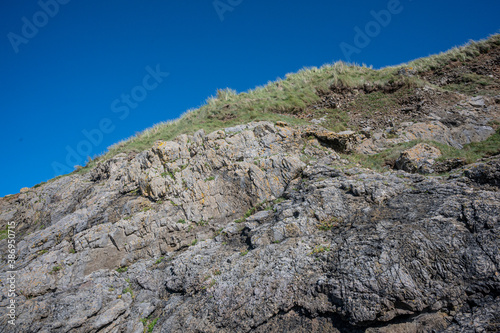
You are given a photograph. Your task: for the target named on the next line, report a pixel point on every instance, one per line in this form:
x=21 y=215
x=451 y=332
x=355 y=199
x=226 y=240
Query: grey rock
x=257 y=228
x=419 y=158
x=477 y=101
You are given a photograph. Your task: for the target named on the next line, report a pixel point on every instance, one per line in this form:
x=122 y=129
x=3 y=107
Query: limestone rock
x=419 y=158
x=256 y=228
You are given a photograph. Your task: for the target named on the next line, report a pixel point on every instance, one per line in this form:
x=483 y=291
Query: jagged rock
x=477 y=101
x=472 y=133
x=448 y=165
x=485 y=172
x=419 y=158
x=341 y=142
x=257 y=228
x=433 y=131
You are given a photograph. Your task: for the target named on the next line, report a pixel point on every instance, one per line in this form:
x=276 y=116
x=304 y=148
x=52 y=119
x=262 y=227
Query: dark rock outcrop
x=258 y=228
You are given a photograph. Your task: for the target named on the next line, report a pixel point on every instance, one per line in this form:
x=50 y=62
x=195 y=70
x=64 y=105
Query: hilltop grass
x=296 y=93
x=278 y=100
x=460 y=53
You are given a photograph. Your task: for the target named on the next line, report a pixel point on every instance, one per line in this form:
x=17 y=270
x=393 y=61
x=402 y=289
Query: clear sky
x=70 y=66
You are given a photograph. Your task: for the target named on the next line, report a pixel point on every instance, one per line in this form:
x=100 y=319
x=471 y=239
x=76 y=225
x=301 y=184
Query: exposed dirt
x=478 y=75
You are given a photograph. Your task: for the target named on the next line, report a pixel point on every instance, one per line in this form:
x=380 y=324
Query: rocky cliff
x=267 y=227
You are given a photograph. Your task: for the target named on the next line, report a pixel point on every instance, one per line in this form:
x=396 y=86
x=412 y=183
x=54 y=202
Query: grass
x=128 y=290
x=328 y=224
x=460 y=53
x=4 y=233
x=55 y=269
x=169 y=174
x=39 y=184
x=149 y=324
x=472 y=83
x=201 y=223
x=320 y=249
x=159 y=260
x=122 y=269
x=470 y=153
x=218 y=232
x=300 y=92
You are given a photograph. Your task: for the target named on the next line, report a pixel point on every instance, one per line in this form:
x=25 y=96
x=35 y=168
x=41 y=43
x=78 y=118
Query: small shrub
x=122 y=269
x=202 y=223
x=244 y=253
x=320 y=249
x=151 y=325
x=128 y=290
x=55 y=269
x=182 y=221
x=166 y=173
x=328 y=224
x=218 y=232
x=159 y=260
x=279 y=200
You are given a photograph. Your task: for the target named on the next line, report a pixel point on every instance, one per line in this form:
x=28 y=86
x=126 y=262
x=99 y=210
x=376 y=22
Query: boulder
x=419 y=158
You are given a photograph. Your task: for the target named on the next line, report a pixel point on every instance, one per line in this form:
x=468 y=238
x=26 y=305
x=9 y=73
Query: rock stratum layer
x=257 y=228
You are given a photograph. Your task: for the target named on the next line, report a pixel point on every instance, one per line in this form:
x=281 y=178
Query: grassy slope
x=297 y=93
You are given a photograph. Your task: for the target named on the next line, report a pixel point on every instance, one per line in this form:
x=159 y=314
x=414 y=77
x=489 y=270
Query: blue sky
x=67 y=66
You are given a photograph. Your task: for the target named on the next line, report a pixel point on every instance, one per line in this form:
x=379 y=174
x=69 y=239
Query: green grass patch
x=470 y=153
x=320 y=249
x=122 y=269
x=328 y=224
x=159 y=260
x=460 y=53
x=295 y=94
x=4 y=233
x=472 y=84
x=55 y=269
x=128 y=290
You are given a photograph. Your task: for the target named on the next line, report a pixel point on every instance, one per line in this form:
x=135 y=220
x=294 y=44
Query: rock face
x=257 y=228
x=419 y=158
